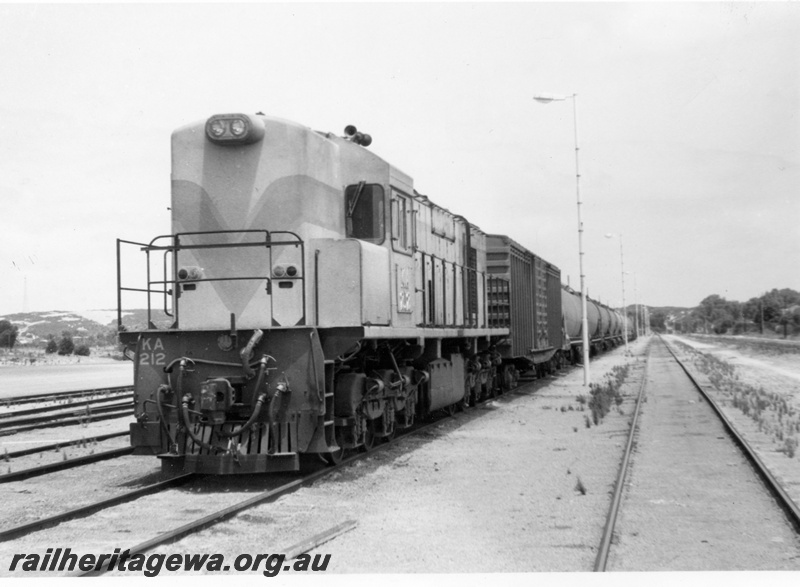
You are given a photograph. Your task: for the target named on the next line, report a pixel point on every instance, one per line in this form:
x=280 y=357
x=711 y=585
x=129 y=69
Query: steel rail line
x=63 y=411
x=608 y=531
x=53 y=396
x=59 y=445
x=67 y=464
x=64 y=406
x=107 y=414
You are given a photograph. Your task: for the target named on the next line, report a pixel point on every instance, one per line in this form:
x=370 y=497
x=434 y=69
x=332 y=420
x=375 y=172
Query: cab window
x=364 y=213
x=401 y=223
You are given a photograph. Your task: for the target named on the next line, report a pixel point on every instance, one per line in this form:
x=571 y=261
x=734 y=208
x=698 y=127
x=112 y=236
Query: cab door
x=403 y=266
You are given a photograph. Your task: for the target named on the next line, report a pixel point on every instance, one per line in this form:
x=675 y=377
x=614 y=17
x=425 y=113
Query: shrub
x=790 y=446
x=82 y=350
x=66 y=346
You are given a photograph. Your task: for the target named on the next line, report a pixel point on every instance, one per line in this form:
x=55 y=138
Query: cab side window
x=401 y=223
x=364 y=214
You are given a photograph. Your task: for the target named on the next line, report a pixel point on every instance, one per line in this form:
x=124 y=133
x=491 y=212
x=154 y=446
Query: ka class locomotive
x=309 y=300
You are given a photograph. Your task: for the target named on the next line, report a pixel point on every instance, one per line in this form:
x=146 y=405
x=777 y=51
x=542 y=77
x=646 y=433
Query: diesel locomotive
x=309 y=300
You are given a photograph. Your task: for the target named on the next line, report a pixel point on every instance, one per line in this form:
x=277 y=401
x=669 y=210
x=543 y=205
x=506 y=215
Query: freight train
x=309 y=299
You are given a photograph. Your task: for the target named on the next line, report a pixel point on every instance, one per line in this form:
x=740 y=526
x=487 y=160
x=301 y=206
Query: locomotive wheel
x=464 y=403
x=491 y=386
x=389 y=424
x=475 y=394
x=369 y=438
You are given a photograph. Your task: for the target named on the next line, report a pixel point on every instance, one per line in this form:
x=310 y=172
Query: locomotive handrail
x=175 y=246
x=166 y=296
x=120 y=287
x=268 y=241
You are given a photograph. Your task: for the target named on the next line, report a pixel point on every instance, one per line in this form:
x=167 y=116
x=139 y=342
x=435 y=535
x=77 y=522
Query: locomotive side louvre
x=315 y=301
x=450 y=268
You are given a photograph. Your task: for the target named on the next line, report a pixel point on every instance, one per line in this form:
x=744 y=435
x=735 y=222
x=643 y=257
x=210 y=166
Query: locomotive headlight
x=238 y=127
x=216 y=128
x=234 y=129
x=190 y=273
x=284 y=271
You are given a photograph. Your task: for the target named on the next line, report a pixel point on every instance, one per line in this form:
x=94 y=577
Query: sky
x=687 y=118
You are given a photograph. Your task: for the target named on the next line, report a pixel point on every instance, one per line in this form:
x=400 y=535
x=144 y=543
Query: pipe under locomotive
x=309 y=300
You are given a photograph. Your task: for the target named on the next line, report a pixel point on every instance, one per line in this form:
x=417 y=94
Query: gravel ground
x=32 y=499
x=692 y=500
x=495 y=489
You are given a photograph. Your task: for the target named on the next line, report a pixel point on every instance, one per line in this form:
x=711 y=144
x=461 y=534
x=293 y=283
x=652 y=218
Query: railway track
x=62 y=405
x=84 y=417
x=59 y=445
x=66 y=414
x=64 y=395
x=65 y=464
x=62 y=409
x=683 y=411
x=89 y=509
x=185 y=487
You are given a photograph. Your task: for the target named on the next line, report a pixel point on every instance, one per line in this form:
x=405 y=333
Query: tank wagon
x=309 y=300
x=605 y=325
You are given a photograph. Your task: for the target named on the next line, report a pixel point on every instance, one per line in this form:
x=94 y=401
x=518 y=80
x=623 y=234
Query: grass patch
x=770 y=411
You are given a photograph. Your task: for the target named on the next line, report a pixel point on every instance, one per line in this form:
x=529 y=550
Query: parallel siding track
x=773 y=486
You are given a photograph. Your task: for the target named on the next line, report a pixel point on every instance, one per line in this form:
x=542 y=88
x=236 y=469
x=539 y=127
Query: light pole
x=546 y=99
x=624 y=309
x=637 y=321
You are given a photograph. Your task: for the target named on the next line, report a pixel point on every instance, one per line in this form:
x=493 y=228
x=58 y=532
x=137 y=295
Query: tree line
x=65 y=345
x=776 y=311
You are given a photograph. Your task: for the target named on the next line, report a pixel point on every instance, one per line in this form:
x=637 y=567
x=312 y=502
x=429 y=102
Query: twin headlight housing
x=281 y=271
x=234 y=129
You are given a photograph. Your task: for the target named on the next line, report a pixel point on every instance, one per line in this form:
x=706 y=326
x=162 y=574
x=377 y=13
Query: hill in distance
x=36 y=327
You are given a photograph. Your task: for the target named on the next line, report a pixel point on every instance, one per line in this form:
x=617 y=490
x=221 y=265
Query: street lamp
x=624 y=309
x=637 y=318
x=546 y=99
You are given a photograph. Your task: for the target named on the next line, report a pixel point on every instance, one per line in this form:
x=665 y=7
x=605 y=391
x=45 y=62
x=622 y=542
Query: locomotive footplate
x=231 y=464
